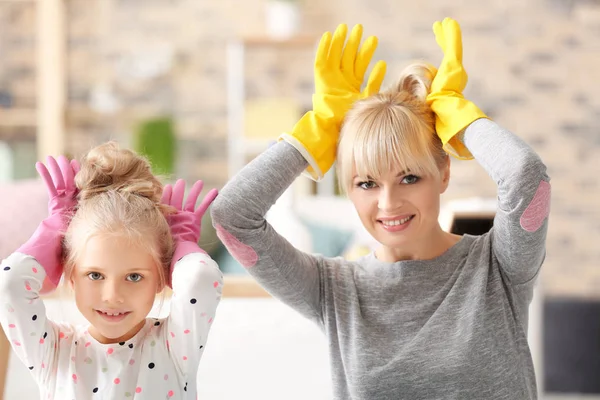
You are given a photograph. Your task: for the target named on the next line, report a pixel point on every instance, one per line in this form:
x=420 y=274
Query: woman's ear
x=445 y=174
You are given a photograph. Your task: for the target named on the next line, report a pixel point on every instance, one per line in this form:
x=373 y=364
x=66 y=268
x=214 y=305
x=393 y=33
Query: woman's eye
x=410 y=179
x=134 y=277
x=95 y=276
x=366 y=185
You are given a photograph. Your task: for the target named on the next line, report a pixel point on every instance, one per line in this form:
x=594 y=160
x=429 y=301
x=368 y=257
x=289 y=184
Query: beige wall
x=534 y=67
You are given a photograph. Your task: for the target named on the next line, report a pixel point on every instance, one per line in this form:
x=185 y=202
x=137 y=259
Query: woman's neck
x=437 y=243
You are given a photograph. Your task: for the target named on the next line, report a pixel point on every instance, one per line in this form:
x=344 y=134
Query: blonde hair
x=119 y=196
x=394 y=128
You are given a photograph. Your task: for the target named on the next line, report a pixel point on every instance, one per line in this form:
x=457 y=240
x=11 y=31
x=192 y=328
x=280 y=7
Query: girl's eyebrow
x=134 y=269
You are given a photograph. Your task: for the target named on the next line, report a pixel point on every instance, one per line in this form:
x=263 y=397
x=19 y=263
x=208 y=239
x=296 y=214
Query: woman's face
x=400 y=210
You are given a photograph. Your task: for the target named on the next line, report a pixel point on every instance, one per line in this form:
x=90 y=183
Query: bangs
x=386 y=139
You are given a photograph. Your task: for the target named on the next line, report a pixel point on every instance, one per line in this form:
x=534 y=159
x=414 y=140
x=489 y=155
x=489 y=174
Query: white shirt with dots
x=159 y=362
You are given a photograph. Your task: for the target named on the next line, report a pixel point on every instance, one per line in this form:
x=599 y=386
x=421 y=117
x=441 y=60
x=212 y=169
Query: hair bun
x=108 y=168
x=416 y=80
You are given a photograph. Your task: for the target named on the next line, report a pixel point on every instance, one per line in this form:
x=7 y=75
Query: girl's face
x=400 y=210
x=115 y=284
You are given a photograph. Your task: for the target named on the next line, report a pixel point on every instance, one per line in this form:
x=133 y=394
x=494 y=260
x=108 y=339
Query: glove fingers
x=349 y=57
x=453 y=39
x=337 y=45
x=76 y=167
x=209 y=198
x=323 y=49
x=438 y=31
x=56 y=174
x=192 y=197
x=364 y=57
x=45 y=175
x=166 y=194
x=67 y=173
x=178 y=192
x=375 y=79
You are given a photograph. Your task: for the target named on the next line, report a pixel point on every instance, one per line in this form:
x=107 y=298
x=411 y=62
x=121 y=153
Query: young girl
x=121 y=247
x=429 y=314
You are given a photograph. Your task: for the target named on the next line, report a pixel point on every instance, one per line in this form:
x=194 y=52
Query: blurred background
x=201 y=87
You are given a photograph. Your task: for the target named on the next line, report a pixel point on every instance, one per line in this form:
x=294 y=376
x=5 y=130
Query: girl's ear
x=160 y=287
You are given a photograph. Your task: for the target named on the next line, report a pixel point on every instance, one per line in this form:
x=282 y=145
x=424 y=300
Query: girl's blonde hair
x=392 y=129
x=119 y=197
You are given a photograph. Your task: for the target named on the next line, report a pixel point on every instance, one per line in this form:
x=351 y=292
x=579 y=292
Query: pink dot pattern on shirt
x=117 y=381
x=138 y=389
x=131 y=362
x=109 y=351
x=539 y=208
x=171 y=393
x=241 y=252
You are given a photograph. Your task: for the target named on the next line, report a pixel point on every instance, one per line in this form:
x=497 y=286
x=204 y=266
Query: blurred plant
x=155 y=139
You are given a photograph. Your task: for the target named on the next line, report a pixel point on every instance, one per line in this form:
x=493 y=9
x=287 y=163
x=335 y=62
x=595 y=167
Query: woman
x=429 y=314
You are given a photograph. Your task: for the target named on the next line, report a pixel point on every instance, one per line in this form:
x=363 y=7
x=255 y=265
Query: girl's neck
x=104 y=340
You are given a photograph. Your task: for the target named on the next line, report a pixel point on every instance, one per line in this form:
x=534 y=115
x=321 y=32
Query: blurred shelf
x=266 y=41
x=17 y=117
x=239 y=145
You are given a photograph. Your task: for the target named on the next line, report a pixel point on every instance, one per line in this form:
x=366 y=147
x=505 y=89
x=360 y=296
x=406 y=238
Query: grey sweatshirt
x=453 y=327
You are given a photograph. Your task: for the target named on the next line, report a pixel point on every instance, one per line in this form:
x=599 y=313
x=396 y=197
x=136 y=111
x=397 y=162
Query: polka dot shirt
x=159 y=362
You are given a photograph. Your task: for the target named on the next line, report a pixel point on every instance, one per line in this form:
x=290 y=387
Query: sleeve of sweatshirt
x=238 y=215
x=521 y=222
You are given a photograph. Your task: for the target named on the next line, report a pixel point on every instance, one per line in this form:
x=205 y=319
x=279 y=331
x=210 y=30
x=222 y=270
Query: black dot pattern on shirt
x=151 y=365
x=6 y=268
x=95 y=390
x=76 y=343
x=45 y=334
x=156 y=323
x=131 y=345
x=121 y=343
x=185 y=387
x=200 y=347
x=30 y=368
x=34 y=317
x=193 y=301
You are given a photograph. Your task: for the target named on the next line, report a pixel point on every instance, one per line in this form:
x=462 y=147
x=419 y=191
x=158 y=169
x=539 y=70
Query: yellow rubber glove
x=453 y=112
x=339 y=73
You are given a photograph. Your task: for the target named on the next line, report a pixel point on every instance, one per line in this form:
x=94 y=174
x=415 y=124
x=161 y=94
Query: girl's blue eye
x=366 y=185
x=134 y=277
x=410 y=179
x=95 y=276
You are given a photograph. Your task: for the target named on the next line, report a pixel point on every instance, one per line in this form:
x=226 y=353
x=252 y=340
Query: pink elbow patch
x=241 y=252
x=539 y=208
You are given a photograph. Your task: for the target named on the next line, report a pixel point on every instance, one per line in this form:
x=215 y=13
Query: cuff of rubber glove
x=456 y=147
x=312 y=171
x=45 y=246
x=182 y=249
x=456 y=144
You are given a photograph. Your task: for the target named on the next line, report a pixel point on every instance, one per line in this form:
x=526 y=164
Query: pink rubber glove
x=186 y=222
x=46 y=243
